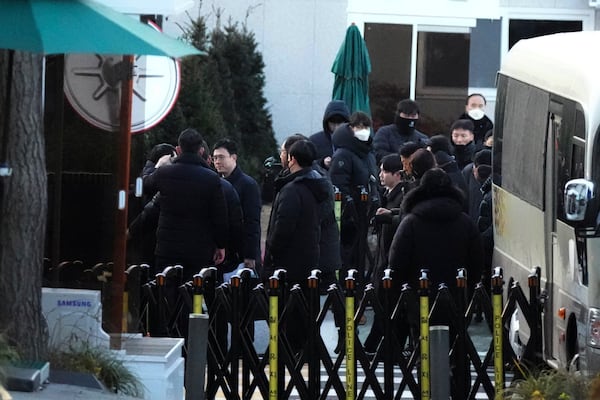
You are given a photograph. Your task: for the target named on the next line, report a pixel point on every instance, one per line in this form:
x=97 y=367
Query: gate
x=299 y=363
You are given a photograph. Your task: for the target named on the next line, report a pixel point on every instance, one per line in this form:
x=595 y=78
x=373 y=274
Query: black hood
x=335 y=107
x=343 y=137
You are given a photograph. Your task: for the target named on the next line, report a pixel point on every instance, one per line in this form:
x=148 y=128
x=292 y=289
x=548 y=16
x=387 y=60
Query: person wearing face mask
x=354 y=172
x=475 y=111
x=389 y=138
x=336 y=113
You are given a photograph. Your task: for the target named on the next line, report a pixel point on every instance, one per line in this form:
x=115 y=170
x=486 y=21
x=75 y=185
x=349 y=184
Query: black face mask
x=459 y=148
x=406 y=126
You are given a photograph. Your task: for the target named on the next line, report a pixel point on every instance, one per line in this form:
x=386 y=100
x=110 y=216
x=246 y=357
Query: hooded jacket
x=294 y=227
x=322 y=139
x=353 y=164
x=435 y=234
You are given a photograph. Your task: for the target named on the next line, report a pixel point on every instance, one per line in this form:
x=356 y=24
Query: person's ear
x=201 y=151
x=178 y=150
x=234 y=157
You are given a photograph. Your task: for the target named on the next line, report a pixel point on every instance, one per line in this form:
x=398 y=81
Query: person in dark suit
x=225 y=157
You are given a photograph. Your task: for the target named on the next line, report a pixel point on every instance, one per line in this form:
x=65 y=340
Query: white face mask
x=362 y=135
x=476 y=113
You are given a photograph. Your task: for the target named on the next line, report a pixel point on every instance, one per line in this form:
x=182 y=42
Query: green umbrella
x=352 y=67
x=80 y=26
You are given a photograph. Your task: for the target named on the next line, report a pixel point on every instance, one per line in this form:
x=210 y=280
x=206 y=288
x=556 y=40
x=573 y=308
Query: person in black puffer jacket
x=353 y=172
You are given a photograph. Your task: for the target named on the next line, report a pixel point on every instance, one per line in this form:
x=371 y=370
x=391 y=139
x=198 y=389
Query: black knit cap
x=483 y=157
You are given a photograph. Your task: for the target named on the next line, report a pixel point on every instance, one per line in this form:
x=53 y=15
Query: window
x=523 y=141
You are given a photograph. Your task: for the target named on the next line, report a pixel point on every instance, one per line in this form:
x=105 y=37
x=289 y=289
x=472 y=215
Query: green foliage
x=222 y=94
x=8 y=355
x=548 y=384
x=103 y=363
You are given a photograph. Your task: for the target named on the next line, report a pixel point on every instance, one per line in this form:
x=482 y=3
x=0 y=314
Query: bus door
x=565 y=314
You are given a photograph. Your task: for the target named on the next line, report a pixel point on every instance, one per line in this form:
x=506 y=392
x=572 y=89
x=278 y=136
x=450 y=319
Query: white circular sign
x=93 y=88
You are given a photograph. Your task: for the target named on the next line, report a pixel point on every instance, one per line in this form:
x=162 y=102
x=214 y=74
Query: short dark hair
x=465 y=124
x=161 y=149
x=360 y=118
x=408 y=106
x=190 y=141
x=304 y=151
x=421 y=161
x=440 y=143
x=391 y=163
x=206 y=152
x=476 y=94
x=408 y=148
x=293 y=139
x=226 y=144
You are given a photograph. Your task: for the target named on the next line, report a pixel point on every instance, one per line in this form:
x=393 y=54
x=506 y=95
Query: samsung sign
x=73 y=303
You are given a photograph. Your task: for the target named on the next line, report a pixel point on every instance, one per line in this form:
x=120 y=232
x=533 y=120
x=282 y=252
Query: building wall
x=299 y=40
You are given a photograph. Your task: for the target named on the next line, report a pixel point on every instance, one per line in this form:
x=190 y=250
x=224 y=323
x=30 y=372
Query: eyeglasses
x=219 y=157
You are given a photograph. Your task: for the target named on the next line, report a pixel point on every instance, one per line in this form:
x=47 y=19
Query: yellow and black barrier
x=424 y=334
x=275 y=290
x=497 y=285
x=198 y=295
x=350 y=289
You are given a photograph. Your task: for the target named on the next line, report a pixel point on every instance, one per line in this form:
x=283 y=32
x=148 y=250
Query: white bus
x=547 y=155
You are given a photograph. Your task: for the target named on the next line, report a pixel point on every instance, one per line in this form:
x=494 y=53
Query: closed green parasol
x=352 y=67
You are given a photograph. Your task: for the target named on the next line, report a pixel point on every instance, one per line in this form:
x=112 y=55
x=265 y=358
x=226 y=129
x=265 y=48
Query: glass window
x=528 y=28
x=390 y=52
x=523 y=142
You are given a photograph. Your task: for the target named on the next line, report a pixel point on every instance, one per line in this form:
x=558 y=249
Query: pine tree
x=252 y=127
x=222 y=94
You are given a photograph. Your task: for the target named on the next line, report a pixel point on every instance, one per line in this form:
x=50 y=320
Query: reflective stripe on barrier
x=424 y=334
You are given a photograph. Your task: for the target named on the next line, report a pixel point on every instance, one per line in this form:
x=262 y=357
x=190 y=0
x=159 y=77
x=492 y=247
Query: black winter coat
x=193 y=219
x=295 y=224
x=353 y=165
x=388 y=139
x=446 y=162
x=386 y=225
x=249 y=194
x=464 y=154
x=435 y=234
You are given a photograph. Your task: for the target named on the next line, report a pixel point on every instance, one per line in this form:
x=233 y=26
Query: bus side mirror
x=578 y=193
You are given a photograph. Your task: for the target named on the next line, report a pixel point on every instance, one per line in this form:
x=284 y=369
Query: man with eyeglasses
x=225 y=155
